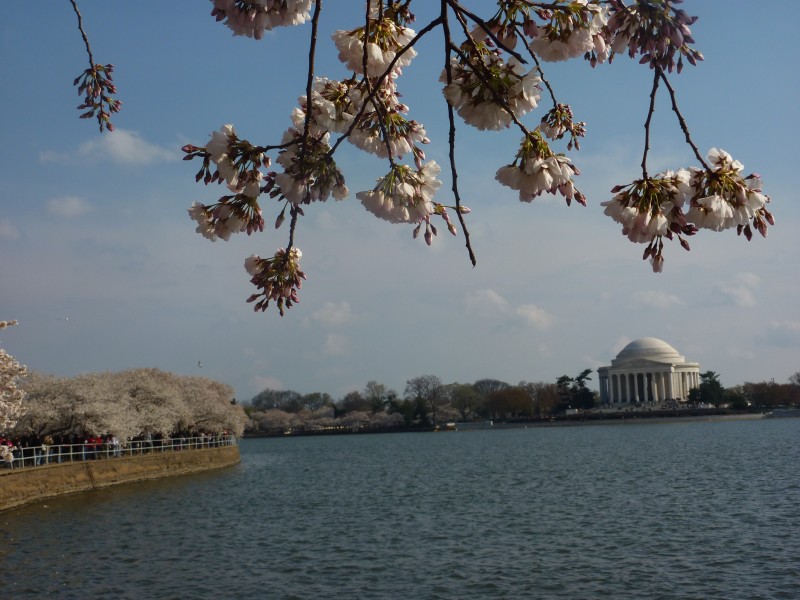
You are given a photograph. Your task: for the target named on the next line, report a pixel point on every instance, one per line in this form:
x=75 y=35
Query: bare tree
x=465 y=400
x=428 y=388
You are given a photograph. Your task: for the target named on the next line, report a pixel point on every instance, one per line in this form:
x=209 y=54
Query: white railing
x=48 y=454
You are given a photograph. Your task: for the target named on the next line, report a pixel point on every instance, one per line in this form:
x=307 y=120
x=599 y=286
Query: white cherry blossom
x=482 y=106
x=404 y=195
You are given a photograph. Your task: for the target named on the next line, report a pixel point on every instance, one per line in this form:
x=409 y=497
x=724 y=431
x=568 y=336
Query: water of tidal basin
x=668 y=510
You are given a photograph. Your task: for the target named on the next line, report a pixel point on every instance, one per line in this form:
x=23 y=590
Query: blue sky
x=103 y=269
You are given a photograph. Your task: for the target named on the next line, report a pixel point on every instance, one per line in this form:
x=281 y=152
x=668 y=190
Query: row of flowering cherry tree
x=10 y=394
x=126 y=404
x=426 y=402
x=493 y=77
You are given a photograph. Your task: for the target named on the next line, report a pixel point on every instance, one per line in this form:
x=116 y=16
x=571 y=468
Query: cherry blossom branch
x=650 y=112
x=480 y=72
x=682 y=121
x=452 y=134
x=96 y=83
x=296 y=211
x=83 y=33
x=377 y=105
x=457 y=8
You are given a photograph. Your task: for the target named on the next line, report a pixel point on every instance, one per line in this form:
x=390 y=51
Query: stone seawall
x=23 y=486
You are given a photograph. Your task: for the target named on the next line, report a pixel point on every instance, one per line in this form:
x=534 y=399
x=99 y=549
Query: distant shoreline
x=615 y=418
x=631 y=419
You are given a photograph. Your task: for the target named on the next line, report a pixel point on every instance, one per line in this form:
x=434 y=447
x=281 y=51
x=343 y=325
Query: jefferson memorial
x=647 y=370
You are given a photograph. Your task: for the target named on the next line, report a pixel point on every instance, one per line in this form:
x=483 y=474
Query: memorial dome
x=650 y=348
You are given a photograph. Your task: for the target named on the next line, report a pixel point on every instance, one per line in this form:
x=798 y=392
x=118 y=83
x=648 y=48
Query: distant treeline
x=427 y=403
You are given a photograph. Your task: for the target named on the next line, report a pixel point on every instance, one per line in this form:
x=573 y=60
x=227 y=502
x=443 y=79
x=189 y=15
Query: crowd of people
x=42 y=450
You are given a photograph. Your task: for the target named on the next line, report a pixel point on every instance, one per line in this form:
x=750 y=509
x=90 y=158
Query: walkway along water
x=76 y=469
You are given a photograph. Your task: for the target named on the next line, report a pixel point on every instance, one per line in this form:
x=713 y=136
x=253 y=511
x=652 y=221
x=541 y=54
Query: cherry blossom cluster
x=251 y=18
x=675 y=204
x=655 y=30
x=386 y=38
x=650 y=209
x=487 y=91
x=279 y=278
x=96 y=85
x=383 y=130
x=577 y=29
x=10 y=395
x=537 y=169
x=237 y=162
x=310 y=174
x=723 y=198
x=404 y=195
x=332 y=109
x=232 y=214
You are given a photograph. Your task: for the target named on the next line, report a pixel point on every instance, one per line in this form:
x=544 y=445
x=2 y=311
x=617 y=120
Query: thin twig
x=83 y=33
x=650 y=112
x=452 y=135
x=682 y=122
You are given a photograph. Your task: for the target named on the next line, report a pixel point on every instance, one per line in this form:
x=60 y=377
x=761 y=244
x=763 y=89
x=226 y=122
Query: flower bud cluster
x=537 y=169
x=279 y=278
x=558 y=121
x=486 y=91
x=655 y=30
x=96 y=84
x=252 y=18
x=404 y=195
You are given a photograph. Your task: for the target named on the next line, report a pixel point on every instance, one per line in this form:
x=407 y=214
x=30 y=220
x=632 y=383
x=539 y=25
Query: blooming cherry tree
x=127 y=404
x=10 y=395
x=493 y=78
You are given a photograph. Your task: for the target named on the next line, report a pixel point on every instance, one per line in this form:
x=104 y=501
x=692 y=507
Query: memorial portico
x=647 y=370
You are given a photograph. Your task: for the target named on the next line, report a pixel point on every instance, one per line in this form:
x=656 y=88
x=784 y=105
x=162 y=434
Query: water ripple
x=653 y=511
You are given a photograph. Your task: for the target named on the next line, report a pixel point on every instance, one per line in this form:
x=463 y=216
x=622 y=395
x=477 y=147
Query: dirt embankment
x=23 y=486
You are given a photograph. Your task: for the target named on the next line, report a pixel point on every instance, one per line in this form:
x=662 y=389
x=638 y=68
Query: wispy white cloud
x=68 y=206
x=336 y=345
x=7 y=230
x=489 y=303
x=655 y=299
x=51 y=156
x=126 y=147
x=740 y=292
x=533 y=315
x=333 y=314
x=484 y=301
